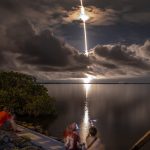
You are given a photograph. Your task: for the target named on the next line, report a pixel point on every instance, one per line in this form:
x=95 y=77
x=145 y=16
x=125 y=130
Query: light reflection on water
x=122 y=111
x=85 y=121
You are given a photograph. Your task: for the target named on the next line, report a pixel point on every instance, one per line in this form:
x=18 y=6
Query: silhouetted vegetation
x=21 y=94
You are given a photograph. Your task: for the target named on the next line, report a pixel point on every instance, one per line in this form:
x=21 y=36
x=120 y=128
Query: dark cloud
x=122 y=55
x=137 y=17
x=43 y=49
x=31 y=52
x=53 y=14
x=10 y=5
x=134 y=5
x=133 y=11
x=44 y=52
x=28 y=41
x=2 y=59
x=44 y=14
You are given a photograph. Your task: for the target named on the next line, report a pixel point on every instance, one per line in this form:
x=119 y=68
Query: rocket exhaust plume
x=84 y=18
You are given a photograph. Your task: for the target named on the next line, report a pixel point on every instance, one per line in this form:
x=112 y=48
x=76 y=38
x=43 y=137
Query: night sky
x=45 y=38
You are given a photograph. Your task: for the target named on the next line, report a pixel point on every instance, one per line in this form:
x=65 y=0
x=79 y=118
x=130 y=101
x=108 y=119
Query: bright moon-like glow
x=83 y=15
x=84 y=18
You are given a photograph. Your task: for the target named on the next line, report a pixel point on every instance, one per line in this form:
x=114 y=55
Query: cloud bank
x=118 y=59
x=26 y=51
x=28 y=42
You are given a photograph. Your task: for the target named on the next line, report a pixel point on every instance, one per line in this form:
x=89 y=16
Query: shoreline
x=38 y=129
x=28 y=138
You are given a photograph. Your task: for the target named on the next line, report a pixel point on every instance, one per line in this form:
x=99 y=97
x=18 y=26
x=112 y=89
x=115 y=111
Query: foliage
x=22 y=94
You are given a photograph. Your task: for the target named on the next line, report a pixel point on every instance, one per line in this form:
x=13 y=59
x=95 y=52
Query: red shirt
x=76 y=140
x=4 y=116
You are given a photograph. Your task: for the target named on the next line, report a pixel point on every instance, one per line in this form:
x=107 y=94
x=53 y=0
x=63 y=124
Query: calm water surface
x=122 y=111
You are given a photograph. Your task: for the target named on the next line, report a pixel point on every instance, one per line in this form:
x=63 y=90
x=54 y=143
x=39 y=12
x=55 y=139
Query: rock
x=11 y=145
x=25 y=144
x=10 y=141
x=6 y=139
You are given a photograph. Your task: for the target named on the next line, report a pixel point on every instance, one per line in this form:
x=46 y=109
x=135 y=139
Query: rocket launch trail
x=84 y=18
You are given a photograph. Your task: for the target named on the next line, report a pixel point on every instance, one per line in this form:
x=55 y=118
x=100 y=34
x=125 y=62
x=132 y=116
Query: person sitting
x=7 y=120
x=72 y=140
x=92 y=141
x=67 y=133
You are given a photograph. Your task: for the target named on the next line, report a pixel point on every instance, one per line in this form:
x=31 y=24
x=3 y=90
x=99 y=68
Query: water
x=122 y=111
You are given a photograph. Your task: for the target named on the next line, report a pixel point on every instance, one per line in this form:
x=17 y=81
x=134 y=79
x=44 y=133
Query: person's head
x=92 y=131
x=73 y=126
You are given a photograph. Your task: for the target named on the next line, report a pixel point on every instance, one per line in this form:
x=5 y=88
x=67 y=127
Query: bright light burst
x=83 y=15
x=84 y=18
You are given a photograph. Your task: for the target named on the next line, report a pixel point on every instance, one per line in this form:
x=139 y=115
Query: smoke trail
x=85 y=37
x=84 y=18
x=81 y=3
